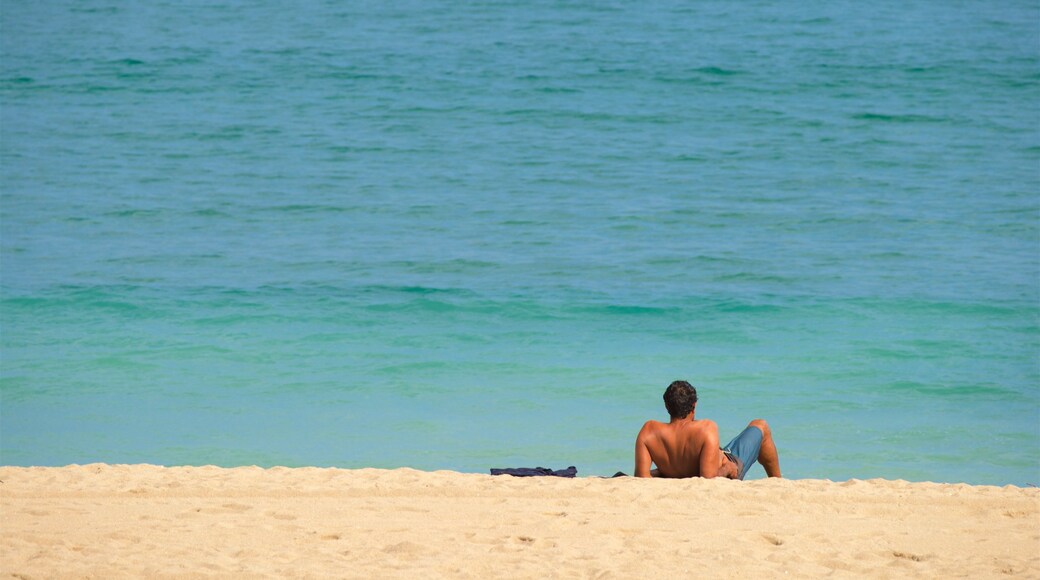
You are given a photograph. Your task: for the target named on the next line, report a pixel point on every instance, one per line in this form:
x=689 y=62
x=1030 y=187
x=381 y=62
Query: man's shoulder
x=651 y=425
x=704 y=430
x=652 y=428
x=706 y=424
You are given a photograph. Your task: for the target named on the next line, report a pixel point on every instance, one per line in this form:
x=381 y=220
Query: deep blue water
x=464 y=236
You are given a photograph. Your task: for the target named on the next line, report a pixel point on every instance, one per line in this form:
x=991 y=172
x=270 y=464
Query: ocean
x=460 y=236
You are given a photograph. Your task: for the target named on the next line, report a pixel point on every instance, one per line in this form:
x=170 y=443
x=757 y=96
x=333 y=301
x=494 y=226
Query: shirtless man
x=688 y=447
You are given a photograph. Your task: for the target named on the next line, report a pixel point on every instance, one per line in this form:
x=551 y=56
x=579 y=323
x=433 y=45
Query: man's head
x=680 y=398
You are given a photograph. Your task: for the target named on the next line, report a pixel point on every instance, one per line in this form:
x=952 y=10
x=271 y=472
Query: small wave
x=752 y=277
x=907 y=118
x=687 y=260
x=425 y=290
x=939 y=307
x=110 y=299
x=887 y=256
x=306 y=208
x=879 y=353
x=91 y=89
x=732 y=306
x=122 y=362
x=420 y=290
x=635 y=310
x=558 y=90
x=100 y=10
x=717 y=71
x=208 y=212
x=689 y=159
x=691 y=80
x=227 y=320
x=355 y=149
x=625 y=310
x=958 y=391
x=523 y=223
x=414 y=367
x=224 y=134
x=135 y=212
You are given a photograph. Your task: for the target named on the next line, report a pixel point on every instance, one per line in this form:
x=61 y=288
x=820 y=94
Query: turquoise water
x=464 y=236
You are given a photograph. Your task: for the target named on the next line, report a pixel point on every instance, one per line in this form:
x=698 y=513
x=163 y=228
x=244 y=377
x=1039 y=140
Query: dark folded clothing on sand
x=536 y=472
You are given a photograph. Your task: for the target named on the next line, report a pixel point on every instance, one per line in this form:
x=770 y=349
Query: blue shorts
x=744 y=449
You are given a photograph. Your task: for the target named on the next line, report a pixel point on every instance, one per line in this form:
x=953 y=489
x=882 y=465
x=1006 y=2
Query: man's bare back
x=688 y=447
x=682 y=448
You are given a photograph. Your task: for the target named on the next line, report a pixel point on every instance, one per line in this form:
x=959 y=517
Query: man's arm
x=709 y=455
x=643 y=460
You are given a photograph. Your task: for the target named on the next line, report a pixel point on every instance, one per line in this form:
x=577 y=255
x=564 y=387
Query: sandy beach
x=108 y=521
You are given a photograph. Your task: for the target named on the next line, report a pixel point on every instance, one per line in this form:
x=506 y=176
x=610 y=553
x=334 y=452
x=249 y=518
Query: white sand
x=109 y=521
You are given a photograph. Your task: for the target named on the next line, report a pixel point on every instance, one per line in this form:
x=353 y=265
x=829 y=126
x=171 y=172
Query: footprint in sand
x=278 y=516
x=408 y=549
x=193 y=512
x=909 y=556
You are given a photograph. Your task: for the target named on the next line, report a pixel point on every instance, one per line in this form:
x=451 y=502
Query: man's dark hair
x=679 y=399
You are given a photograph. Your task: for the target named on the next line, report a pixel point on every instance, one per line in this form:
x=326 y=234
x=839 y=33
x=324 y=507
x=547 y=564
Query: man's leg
x=767 y=455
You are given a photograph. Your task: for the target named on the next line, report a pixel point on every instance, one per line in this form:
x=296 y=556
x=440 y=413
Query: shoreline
x=145 y=520
x=753 y=476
